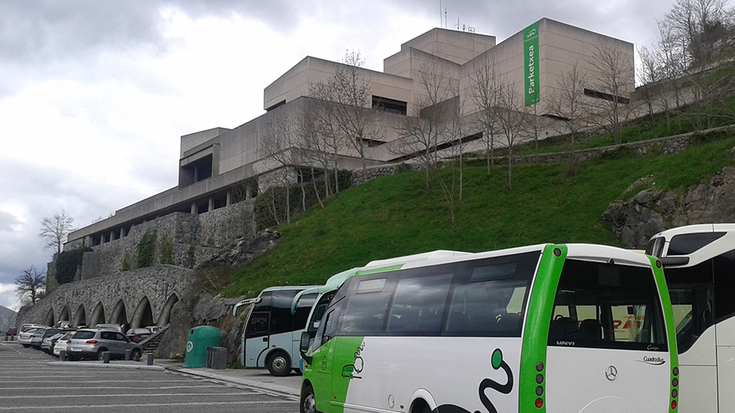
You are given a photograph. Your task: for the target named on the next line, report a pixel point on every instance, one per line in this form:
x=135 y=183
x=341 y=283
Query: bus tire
x=279 y=364
x=308 y=402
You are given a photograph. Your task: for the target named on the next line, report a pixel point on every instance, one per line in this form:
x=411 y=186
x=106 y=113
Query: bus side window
x=328 y=327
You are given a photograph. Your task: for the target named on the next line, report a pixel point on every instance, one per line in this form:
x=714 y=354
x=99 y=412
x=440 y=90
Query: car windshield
x=84 y=335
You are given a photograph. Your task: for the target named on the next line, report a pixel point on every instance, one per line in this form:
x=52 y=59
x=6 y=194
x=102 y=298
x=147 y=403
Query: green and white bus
x=699 y=263
x=530 y=329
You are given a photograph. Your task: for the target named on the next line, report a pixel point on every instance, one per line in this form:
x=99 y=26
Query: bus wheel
x=308 y=403
x=279 y=364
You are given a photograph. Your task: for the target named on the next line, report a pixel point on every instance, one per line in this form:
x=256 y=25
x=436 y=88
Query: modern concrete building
x=220 y=166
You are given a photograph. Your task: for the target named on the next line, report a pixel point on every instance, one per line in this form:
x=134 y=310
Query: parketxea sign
x=530 y=53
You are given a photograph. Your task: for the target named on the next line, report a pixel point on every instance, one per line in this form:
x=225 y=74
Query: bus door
x=323 y=359
x=257 y=338
x=599 y=310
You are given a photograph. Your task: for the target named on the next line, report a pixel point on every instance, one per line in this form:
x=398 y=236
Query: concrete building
x=220 y=166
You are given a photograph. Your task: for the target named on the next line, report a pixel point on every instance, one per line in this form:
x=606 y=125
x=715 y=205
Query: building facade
x=220 y=166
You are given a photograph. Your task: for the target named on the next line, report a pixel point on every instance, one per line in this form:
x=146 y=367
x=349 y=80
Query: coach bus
x=699 y=263
x=272 y=331
x=529 y=329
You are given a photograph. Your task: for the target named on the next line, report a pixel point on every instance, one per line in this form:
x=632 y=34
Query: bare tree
x=566 y=103
x=484 y=89
x=276 y=144
x=698 y=26
x=512 y=120
x=349 y=120
x=31 y=285
x=434 y=109
x=611 y=79
x=55 y=230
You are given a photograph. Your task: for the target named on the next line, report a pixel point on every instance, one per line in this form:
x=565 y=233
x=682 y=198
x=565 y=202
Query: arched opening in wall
x=64 y=316
x=165 y=315
x=80 y=317
x=49 y=321
x=143 y=315
x=119 y=315
x=98 y=315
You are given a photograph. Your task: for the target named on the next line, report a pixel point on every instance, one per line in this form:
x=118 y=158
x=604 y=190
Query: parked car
x=138 y=334
x=24 y=337
x=50 y=337
x=113 y=327
x=154 y=329
x=37 y=338
x=11 y=332
x=94 y=343
x=26 y=327
x=62 y=342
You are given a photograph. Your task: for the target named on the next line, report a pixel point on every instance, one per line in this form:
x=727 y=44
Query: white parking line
x=206 y=386
x=137 y=395
x=109 y=406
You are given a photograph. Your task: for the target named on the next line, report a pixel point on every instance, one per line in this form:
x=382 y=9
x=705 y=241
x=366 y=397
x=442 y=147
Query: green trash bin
x=198 y=339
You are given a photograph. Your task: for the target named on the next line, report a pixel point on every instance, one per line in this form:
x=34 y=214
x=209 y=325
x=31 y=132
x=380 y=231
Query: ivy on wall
x=126 y=262
x=67 y=264
x=146 y=249
x=167 y=250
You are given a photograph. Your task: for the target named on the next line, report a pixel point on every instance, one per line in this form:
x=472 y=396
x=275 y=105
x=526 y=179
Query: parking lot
x=34 y=381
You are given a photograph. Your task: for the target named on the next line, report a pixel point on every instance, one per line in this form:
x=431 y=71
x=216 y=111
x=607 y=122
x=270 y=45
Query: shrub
x=67 y=264
x=146 y=250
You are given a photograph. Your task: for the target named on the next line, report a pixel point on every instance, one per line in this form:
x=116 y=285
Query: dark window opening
x=688 y=243
x=606 y=96
x=196 y=171
x=389 y=105
x=279 y=104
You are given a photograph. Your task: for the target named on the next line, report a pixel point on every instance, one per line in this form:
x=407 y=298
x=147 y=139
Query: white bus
x=325 y=293
x=530 y=329
x=272 y=332
x=699 y=264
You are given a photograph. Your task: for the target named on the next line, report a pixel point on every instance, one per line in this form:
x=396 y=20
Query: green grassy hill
x=396 y=215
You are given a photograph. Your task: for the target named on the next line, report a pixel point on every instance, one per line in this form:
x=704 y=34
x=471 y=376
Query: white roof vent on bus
x=425 y=256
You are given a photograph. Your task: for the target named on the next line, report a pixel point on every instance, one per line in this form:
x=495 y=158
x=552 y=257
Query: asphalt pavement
x=259 y=379
x=256 y=378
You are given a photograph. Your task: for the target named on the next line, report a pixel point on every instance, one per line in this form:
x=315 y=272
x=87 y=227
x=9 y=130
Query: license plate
x=75 y=349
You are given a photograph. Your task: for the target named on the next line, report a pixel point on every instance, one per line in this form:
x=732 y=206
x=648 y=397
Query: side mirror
x=304 y=345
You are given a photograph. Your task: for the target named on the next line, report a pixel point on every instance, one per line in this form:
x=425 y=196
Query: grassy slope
x=393 y=216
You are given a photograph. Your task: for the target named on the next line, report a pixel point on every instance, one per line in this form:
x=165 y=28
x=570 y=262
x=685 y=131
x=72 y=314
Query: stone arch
x=64 y=315
x=119 y=315
x=49 y=321
x=143 y=315
x=98 y=315
x=80 y=317
x=165 y=315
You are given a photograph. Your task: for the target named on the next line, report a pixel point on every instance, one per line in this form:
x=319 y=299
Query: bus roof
x=332 y=283
x=689 y=229
x=400 y=262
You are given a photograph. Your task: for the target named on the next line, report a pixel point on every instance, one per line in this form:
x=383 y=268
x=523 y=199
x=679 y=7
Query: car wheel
x=308 y=402
x=135 y=355
x=279 y=364
x=101 y=353
x=26 y=345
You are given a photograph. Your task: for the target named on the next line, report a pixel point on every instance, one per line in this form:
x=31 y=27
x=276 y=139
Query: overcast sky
x=94 y=95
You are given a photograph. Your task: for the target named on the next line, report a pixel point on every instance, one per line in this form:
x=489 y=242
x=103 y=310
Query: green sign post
x=530 y=55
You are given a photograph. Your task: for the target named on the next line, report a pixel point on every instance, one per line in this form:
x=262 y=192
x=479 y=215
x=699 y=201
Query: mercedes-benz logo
x=611 y=372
